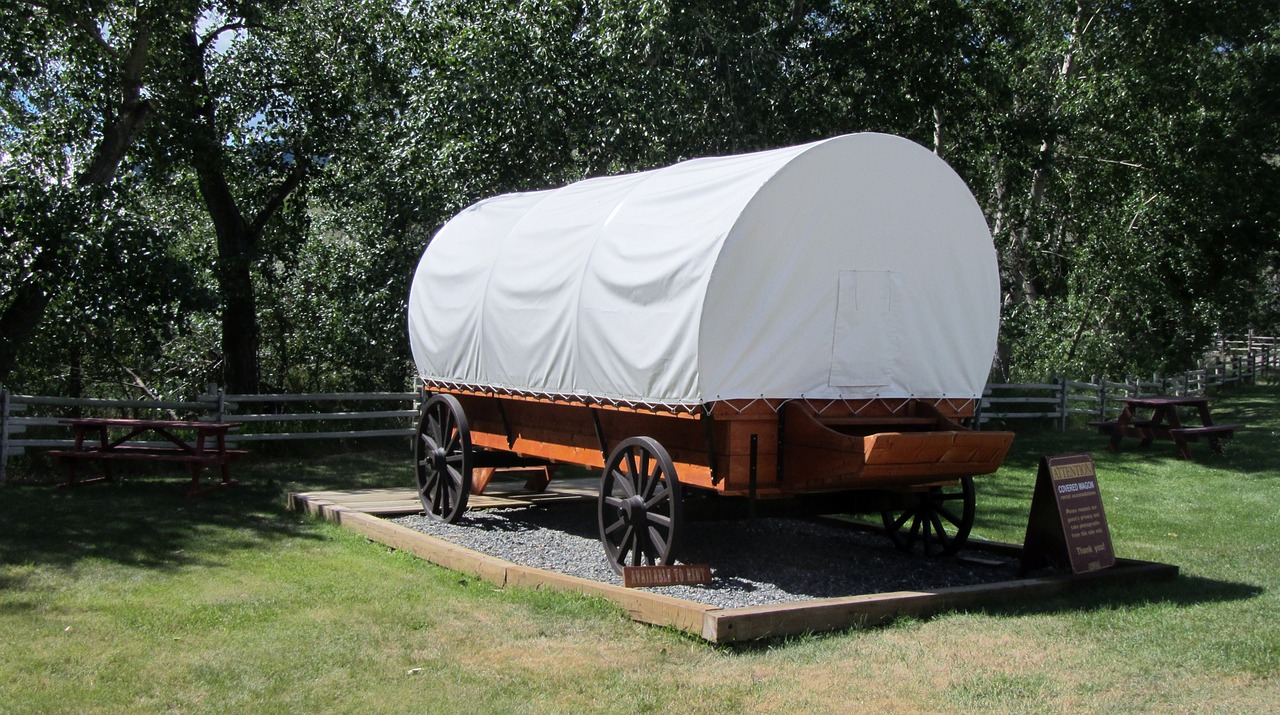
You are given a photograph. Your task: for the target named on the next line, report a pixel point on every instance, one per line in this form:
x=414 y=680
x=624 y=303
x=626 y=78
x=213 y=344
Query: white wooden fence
x=1099 y=398
x=36 y=422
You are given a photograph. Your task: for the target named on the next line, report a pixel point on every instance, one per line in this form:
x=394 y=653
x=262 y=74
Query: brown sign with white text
x=676 y=575
x=1067 y=522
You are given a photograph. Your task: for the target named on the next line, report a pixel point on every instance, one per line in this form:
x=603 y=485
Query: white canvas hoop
x=720 y=279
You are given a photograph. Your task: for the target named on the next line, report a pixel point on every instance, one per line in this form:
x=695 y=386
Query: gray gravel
x=765 y=561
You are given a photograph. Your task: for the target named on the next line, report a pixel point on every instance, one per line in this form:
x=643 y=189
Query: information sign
x=1067 y=523
x=677 y=575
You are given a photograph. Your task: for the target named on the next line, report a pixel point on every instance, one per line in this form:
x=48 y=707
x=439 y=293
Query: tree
x=72 y=107
x=260 y=101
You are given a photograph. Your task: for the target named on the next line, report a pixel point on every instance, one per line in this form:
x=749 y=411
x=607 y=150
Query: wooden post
x=4 y=435
x=1102 y=397
x=1062 y=405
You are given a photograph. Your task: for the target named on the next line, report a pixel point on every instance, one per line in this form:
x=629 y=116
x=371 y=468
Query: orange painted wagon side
x=845 y=445
x=911 y=460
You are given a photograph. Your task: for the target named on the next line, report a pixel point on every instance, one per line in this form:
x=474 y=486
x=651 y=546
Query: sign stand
x=1067 y=524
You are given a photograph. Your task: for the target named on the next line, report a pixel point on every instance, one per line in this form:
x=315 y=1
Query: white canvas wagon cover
x=851 y=268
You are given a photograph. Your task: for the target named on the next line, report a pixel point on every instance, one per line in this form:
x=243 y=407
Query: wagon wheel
x=443 y=455
x=641 y=509
x=931 y=519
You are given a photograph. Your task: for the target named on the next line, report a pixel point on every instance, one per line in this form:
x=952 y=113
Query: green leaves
x=1124 y=153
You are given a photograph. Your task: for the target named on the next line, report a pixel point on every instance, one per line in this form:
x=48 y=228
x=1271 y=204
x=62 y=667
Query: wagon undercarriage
x=911 y=461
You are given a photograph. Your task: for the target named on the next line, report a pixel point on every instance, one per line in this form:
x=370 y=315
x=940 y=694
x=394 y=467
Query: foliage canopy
x=236 y=191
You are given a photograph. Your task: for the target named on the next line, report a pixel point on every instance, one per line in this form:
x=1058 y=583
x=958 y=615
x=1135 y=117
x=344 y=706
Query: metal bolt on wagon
x=805 y=327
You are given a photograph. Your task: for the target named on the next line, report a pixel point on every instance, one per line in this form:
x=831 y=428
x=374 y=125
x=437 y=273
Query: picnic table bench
x=196 y=444
x=1165 y=423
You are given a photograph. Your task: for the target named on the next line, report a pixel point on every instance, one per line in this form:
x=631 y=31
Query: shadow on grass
x=146 y=520
x=146 y=523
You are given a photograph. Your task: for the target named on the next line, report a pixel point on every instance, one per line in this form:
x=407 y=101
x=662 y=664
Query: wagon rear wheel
x=641 y=508
x=935 y=522
x=444 y=459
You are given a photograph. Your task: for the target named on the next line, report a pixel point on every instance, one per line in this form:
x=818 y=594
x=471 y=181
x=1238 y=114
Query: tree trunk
x=239 y=326
x=25 y=310
x=238 y=237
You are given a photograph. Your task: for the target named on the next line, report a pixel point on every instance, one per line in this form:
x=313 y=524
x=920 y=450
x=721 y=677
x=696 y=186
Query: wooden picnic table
x=196 y=444
x=1165 y=423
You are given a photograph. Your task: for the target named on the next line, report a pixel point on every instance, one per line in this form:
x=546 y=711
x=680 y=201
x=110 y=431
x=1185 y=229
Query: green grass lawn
x=131 y=598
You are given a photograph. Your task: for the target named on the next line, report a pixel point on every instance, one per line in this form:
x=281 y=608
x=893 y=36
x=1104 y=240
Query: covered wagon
x=812 y=324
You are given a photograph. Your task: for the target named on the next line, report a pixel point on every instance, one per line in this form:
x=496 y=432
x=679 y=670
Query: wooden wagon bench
x=807 y=327
x=1164 y=423
x=106 y=441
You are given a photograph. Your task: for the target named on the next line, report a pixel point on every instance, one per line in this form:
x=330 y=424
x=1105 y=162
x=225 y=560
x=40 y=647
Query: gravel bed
x=753 y=563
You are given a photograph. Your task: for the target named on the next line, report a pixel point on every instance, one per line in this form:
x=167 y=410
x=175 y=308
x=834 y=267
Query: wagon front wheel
x=444 y=460
x=935 y=522
x=640 y=505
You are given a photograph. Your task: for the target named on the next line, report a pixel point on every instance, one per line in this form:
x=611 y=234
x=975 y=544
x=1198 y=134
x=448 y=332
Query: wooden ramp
x=402 y=502
x=362 y=511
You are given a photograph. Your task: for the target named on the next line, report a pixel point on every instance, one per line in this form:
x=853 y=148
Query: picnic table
x=1165 y=423
x=196 y=444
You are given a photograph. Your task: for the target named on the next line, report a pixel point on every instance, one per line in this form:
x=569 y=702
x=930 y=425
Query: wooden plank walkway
x=402 y=502
x=363 y=512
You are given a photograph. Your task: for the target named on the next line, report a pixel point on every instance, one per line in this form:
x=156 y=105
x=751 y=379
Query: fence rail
x=38 y=422
x=1236 y=361
x=316 y=416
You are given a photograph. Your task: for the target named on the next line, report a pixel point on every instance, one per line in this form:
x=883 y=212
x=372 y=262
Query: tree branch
x=210 y=38
x=282 y=192
x=132 y=115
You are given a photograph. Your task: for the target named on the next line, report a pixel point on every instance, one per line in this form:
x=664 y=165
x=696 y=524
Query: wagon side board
x=583 y=435
x=736 y=449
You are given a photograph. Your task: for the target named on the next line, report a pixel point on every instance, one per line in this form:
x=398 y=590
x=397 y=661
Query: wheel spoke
x=455 y=477
x=642 y=475
x=915 y=529
x=657 y=498
x=632 y=469
x=626 y=545
x=659 y=519
x=901 y=521
x=615 y=526
x=658 y=541
x=941 y=533
x=621 y=480
x=948 y=515
x=652 y=478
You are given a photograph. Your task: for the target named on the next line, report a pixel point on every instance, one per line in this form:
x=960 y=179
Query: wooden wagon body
x=756 y=448
x=812 y=321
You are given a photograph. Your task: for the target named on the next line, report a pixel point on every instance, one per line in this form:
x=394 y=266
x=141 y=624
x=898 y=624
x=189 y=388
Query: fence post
x=1062 y=404
x=4 y=435
x=1102 y=397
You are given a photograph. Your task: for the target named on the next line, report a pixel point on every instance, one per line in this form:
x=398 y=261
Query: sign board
x=1067 y=523
x=678 y=575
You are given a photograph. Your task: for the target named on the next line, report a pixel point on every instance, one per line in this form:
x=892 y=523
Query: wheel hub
x=633 y=510
x=438 y=457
